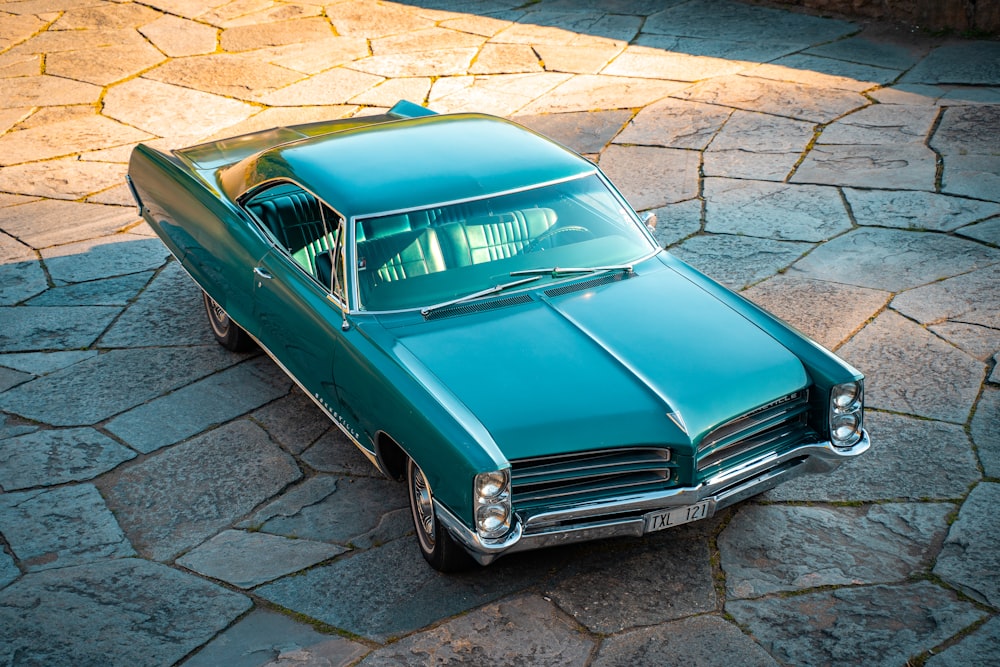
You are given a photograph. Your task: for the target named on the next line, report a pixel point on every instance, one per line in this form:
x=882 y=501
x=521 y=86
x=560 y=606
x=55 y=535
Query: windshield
x=434 y=255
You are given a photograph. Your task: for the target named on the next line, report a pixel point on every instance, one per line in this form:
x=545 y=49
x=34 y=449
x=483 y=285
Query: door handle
x=262 y=273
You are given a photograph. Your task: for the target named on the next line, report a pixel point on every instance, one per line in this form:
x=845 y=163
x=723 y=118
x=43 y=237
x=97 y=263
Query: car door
x=297 y=310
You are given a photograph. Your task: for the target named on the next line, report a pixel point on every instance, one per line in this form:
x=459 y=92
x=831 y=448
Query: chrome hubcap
x=423 y=506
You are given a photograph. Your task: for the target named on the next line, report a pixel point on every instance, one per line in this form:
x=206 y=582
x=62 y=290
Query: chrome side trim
x=623 y=516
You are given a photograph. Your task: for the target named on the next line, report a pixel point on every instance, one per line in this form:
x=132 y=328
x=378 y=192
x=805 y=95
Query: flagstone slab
x=971 y=298
x=178 y=37
x=20 y=279
x=744 y=164
x=269 y=636
x=873 y=49
x=427 y=39
x=18 y=28
x=172 y=502
x=315 y=56
x=972 y=176
x=116 y=255
x=882 y=124
x=651 y=63
x=987 y=231
x=294 y=421
x=390 y=91
x=967 y=130
x=574 y=58
x=441 y=62
x=767 y=549
x=916 y=210
x=827 y=312
x=974 y=62
x=893 y=260
x=64 y=178
x=113 y=382
x=353 y=508
x=46 y=90
x=594 y=92
x=718 y=643
x=55 y=41
x=985 y=430
x=651 y=176
x=103 y=292
x=979 y=342
x=10 y=378
x=9 y=427
x=826 y=72
x=978 y=649
x=394 y=592
x=674 y=124
x=610 y=591
x=583 y=132
x=498 y=94
x=336 y=86
x=166 y=110
x=873 y=625
x=312 y=490
x=246 y=560
x=57 y=456
x=760 y=133
x=61 y=527
x=361 y=18
x=914 y=372
x=8 y=570
x=968 y=557
x=104 y=66
x=733 y=21
x=29 y=328
x=170 y=311
x=890 y=471
x=507 y=59
x=334 y=452
x=774 y=210
x=116 y=613
x=522 y=630
x=891 y=167
x=739 y=261
x=676 y=222
x=749 y=52
x=43 y=363
x=263 y=35
x=226 y=74
x=799 y=101
x=105 y=16
x=211 y=401
x=66 y=138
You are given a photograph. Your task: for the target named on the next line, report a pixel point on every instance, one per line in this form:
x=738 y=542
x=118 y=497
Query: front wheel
x=227 y=333
x=437 y=547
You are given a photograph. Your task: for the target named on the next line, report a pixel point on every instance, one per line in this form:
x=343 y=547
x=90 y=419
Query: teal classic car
x=487 y=319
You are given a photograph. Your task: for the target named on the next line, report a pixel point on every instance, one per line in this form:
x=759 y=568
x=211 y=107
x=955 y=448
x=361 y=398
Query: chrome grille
x=769 y=427
x=568 y=477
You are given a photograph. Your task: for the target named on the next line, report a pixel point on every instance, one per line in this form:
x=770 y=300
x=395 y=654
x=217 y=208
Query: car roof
x=400 y=165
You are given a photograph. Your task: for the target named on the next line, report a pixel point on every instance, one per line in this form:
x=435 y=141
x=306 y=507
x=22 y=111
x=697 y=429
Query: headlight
x=493 y=507
x=846 y=413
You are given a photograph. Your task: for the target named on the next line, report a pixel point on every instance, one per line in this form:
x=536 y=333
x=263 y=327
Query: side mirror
x=650 y=219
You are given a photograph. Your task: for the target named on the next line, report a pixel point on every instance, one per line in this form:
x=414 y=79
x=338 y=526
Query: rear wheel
x=228 y=334
x=437 y=546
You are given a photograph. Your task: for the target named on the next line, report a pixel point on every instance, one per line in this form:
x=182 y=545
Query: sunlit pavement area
x=166 y=502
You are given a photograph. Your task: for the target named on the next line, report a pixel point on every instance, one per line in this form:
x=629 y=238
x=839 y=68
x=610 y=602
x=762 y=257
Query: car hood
x=649 y=359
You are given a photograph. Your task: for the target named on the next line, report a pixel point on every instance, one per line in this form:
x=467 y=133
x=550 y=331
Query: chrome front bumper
x=623 y=516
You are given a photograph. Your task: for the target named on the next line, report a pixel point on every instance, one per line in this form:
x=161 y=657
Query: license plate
x=675 y=516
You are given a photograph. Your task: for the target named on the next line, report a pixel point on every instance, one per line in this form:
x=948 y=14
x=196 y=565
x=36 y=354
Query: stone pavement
x=166 y=502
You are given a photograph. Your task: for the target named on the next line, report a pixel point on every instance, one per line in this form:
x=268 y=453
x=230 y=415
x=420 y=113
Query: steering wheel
x=552 y=231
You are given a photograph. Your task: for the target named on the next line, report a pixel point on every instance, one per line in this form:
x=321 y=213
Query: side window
x=306 y=228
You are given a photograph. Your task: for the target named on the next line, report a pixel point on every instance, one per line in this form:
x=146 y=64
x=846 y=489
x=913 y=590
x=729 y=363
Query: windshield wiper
x=477 y=295
x=556 y=271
